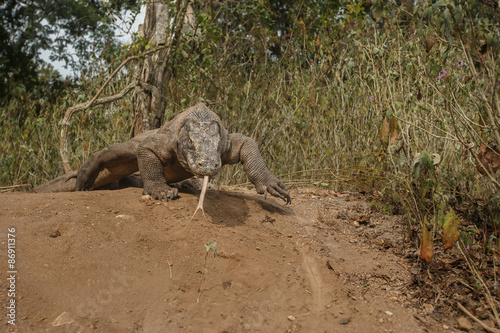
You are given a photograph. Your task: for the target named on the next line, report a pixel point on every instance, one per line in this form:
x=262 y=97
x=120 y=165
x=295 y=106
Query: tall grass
x=317 y=119
x=32 y=124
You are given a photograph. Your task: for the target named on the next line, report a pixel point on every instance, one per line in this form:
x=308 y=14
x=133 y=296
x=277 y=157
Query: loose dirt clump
x=112 y=261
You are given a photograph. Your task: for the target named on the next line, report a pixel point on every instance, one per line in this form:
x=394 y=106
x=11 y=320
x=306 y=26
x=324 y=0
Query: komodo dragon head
x=199 y=147
x=199 y=151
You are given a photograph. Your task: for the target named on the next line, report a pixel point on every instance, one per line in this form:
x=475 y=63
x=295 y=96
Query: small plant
x=209 y=246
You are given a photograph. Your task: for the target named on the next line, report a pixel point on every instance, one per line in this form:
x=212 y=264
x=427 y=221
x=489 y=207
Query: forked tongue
x=202 y=198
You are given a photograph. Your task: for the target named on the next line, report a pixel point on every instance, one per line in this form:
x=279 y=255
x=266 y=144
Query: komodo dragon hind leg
x=108 y=165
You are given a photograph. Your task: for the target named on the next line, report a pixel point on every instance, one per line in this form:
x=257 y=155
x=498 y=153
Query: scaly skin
x=194 y=143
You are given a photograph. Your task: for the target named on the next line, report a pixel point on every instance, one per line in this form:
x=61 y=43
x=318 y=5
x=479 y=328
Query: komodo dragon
x=194 y=143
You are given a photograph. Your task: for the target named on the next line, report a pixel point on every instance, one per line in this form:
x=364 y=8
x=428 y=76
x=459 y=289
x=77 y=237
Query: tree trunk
x=154 y=74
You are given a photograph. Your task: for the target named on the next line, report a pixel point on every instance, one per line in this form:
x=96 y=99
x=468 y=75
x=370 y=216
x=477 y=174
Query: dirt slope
x=109 y=261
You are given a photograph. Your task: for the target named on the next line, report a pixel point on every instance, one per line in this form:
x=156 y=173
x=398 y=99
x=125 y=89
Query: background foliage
x=389 y=96
x=71 y=31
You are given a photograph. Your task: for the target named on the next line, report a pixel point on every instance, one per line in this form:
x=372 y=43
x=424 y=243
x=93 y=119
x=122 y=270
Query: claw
x=202 y=198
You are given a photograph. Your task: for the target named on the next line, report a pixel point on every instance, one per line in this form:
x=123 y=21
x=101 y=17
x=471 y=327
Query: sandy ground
x=111 y=261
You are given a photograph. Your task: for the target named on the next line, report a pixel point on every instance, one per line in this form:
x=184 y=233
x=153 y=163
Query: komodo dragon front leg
x=158 y=164
x=243 y=149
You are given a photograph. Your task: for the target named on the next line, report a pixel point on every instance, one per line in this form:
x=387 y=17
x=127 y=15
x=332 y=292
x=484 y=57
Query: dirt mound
x=109 y=261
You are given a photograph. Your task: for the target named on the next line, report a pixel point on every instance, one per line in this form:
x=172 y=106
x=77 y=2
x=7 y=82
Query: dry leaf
x=450 y=232
x=426 y=249
x=384 y=133
x=393 y=130
x=489 y=157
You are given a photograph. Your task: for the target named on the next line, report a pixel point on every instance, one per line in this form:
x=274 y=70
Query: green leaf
x=428 y=12
x=210 y=245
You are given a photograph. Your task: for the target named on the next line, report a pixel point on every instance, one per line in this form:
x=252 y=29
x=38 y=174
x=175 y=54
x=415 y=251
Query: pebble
x=125 y=217
x=428 y=307
x=291 y=318
x=63 y=319
x=464 y=323
x=389 y=313
x=146 y=197
x=345 y=321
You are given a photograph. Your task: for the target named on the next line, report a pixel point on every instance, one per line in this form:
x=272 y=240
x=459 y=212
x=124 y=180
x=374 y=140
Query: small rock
x=345 y=321
x=446 y=327
x=55 y=234
x=146 y=197
x=464 y=324
x=63 y=319
x=428 y=307
x=389 y=313
x=291 y=318
x=125 y=217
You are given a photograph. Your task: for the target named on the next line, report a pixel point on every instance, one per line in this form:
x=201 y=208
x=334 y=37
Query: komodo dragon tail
x=64 y=183
x=67 y=183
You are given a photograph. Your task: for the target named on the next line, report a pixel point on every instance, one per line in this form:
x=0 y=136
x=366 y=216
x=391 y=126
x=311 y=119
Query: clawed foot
x=84 y=181
x=161 y=191
x=276 y=188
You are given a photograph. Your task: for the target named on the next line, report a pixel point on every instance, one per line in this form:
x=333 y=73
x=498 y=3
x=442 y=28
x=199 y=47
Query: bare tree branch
x=63 y=143
x=171 y=41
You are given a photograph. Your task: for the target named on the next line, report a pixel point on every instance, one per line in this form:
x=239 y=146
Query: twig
x=202 y=71
x=483 y=325
x=202 y=278
x=422 y=320
x=13 y=186
x=9 y=188
x=170 y=268
x=485 y=288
